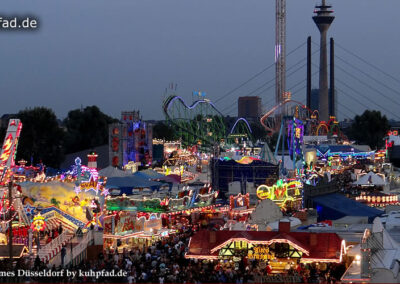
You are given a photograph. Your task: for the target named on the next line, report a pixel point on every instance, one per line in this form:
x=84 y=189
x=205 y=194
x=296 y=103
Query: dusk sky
x=121 y=55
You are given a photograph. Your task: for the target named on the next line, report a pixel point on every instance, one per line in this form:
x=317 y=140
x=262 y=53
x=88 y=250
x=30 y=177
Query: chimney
x=284 y=227
x=309 y=72
x=332 y=109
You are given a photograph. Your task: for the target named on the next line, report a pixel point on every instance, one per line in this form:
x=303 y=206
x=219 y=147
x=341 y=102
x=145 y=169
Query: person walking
x=63 y=254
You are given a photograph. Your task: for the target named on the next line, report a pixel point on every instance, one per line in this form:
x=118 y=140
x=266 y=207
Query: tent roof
x=111 y=171
x=337 y=148
x=266 y=212
x=131 y=182
x=17 y=250
x=149 y=174
x=346 y=206
x=171 y=178
x=370 y=179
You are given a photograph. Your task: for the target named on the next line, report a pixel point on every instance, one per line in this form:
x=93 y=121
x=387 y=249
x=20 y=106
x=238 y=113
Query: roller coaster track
x=168 y=102
x=200 y=121
x=269 y=123
x=241 y=128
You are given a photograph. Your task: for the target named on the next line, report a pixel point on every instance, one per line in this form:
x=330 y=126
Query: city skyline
x=118 y=56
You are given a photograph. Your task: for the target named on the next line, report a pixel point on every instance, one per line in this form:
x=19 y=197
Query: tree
x=41 y=137
x=370 y=128
x=2 y=135
x=259 y=133
x=86 y=129
x=272 y=140
x=55 y=202
x=161 y=130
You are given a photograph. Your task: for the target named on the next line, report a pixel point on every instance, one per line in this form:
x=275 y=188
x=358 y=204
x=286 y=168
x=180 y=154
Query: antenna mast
x=280 y=54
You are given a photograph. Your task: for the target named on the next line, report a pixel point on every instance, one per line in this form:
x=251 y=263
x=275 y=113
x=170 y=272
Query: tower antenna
x=323 y=19
x=280 y=54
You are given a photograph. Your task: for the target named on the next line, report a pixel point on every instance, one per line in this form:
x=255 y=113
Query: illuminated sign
x=278 y=191
x=125 y=223
x=259 y=253
x=128 y=223
x=38 y=223
x=131 y=166
x=88 y=185
x=91 y=179
x=9 y=148
x=239 y=201
x=6 y=148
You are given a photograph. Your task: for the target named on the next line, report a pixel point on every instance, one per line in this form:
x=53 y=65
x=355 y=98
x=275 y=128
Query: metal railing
x=78 y=249
x=57 y=242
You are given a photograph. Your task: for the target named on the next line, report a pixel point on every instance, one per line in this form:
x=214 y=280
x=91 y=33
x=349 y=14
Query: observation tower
x=323 y=19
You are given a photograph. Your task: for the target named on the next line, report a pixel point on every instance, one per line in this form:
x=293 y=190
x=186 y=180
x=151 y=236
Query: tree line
x=46 y=139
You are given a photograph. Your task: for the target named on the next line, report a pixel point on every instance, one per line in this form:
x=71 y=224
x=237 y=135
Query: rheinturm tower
x=323 y=19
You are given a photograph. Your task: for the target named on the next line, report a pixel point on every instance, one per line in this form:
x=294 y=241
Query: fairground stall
x=73 y=198
x=183 y=163
x=281 y=250
x=239 y=207
x=341 y=153
x=377 y=199
x=285 y=193
x=138 y=221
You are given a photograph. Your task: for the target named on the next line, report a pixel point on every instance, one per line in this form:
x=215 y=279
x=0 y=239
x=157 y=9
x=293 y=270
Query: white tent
x=111 y=171
x=266 y=212
x=370 y=179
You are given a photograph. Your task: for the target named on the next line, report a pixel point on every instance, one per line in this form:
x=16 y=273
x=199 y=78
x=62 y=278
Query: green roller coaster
x=201 y=123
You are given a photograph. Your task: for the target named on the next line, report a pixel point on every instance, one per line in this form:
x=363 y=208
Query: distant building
x=130 y=140
x=249 y=107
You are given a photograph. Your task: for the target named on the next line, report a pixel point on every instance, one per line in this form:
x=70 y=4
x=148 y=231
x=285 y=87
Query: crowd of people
x=165 y=262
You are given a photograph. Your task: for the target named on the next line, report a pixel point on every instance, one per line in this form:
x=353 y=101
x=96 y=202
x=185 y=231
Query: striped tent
x=47 y=255
x=54 y=223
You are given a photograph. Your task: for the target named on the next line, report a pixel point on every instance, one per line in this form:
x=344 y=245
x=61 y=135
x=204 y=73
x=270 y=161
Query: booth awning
x=111 y=171
x=149 y=174
x=370 y=179
x=334 y=206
